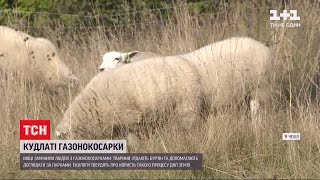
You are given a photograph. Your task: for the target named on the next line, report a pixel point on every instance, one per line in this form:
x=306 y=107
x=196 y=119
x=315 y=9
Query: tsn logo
x=34 y=129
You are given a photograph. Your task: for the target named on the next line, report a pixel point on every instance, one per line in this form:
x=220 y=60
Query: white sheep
x=113 y=59
x=121 y=99
x=36 y=59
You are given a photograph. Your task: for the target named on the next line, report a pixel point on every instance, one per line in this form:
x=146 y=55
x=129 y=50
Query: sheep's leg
x=188 y=116
x=189 y=110
x=254 y=106
x=255 y=114
x=260 y=96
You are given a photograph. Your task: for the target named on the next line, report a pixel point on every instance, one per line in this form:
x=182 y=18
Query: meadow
x=229 y=148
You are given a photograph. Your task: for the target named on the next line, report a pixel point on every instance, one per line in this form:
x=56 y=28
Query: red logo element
x=34 y=129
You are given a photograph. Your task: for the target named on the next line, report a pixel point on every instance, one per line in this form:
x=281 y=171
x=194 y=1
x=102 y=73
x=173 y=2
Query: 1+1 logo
x=292 y=15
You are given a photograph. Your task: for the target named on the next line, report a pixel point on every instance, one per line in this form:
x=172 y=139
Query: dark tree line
x=93 y=12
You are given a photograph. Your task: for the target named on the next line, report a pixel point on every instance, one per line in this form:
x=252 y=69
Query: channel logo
x=34 y=129
x=291 y=16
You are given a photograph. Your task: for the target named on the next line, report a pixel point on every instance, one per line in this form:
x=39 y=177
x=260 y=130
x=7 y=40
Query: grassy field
x=230 y=149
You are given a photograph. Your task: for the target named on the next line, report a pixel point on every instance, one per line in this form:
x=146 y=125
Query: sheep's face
x=113 y=59
x=61 y=133
x=110 y=60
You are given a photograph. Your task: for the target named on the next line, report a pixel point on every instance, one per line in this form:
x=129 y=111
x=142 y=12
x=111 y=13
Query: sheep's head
x=62 y=130
x=113 y=59
x=46 y=60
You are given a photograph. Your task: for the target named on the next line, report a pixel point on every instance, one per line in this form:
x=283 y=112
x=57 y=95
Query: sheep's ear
x=129 y=55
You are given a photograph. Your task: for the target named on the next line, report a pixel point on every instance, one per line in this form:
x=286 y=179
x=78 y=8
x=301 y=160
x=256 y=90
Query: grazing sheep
x=121 y=98
x=36 y=59
x=127 y=95
x=113 y=59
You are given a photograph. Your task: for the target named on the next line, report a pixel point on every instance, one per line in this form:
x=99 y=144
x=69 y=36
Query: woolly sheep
x=113 y=59
x=37 y=59
x=120 y=98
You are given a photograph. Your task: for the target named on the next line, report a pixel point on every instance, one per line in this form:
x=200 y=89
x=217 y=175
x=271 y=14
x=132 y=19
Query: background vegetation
x=84 y=30
x=93 y=13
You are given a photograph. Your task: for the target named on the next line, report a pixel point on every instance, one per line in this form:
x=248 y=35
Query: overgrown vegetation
x=92 y=13
x=230 y=149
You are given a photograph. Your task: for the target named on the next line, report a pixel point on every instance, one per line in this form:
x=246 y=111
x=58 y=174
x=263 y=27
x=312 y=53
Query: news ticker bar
x=111 y=161
x=73 y=146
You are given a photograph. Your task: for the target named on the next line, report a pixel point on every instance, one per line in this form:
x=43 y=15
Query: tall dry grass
x=230 y=149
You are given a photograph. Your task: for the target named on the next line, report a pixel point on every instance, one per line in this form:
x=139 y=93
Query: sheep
x=113 y=59
x=121 y=97
x=36 y=59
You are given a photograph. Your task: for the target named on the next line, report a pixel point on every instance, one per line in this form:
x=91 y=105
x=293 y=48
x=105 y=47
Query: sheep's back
x=229 y=67
x=14 y=48
x=149 y=80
